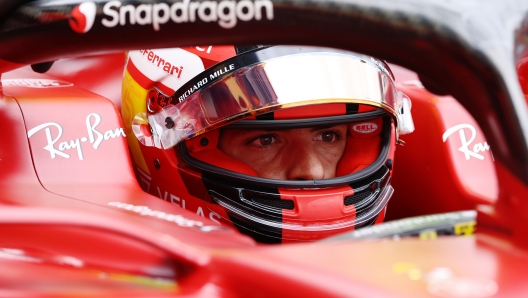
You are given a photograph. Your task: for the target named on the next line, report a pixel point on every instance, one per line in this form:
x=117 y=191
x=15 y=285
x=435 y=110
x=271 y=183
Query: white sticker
x=146 y=211
x=94 y=137
x=465 y=148
x=366 y=127
x=36 y=83
x=170 y=67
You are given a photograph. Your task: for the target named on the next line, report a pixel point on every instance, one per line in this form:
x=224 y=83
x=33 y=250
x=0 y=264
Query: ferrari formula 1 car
x=78 y=217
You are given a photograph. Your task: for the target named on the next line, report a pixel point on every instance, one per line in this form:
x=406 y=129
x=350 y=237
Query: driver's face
x=293 y=154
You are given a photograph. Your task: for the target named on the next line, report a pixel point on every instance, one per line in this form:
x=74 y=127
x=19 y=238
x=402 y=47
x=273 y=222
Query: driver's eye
x=328 y=136
x=265 y=140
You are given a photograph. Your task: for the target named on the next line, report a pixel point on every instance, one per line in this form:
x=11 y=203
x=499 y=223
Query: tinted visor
x=257 y=83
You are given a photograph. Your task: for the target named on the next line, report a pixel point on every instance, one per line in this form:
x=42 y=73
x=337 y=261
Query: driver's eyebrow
x=323 y=127
x=241 y=131
x=245 y=132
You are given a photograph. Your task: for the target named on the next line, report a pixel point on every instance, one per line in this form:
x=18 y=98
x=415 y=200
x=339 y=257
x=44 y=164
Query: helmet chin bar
x=274 y=183
x=262 y=211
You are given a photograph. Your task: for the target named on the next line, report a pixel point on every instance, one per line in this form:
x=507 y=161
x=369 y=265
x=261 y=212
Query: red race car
x=136 y=163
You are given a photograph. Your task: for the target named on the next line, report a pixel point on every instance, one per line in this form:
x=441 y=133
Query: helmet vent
x=279 y=204
x=358 y=197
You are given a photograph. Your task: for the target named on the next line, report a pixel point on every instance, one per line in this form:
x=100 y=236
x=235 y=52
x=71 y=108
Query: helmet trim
x=313 y=122
x=226 y=68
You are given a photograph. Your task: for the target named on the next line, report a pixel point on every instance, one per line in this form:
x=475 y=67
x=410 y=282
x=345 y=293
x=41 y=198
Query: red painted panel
x=104 y=175
x=431 y=175
x=101 y=74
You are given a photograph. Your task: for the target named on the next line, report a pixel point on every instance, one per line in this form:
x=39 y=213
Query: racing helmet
x=285 y=143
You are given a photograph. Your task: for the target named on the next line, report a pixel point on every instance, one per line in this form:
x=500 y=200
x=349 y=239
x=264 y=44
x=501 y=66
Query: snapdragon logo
x=225 y=12
x=83 y=17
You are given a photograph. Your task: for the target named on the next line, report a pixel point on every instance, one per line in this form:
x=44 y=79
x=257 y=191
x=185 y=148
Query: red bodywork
x=75 y=226
x=74 y=220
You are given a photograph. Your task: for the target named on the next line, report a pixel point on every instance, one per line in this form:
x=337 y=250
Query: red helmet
x=286 y=143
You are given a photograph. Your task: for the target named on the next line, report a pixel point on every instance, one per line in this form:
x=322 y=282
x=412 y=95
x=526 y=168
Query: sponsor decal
x=221 y=71
x=94 y=137
x=413 y=223
x=366 y=127
x=184 y=65
x=144 y=210
x=465 y=228
x=175 y=200
x=226 y=13
x=202 y=49
x=161 y=63
x=145 y=183
x=177 y=219
x=203 y=81
x=35 y=83
x=83 y=17
x=465 y=148
x=197 y=85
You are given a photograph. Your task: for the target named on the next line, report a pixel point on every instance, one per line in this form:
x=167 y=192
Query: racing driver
x=285 y=143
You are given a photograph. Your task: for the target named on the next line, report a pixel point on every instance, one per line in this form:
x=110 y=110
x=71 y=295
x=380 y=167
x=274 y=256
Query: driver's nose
x=304 y=164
